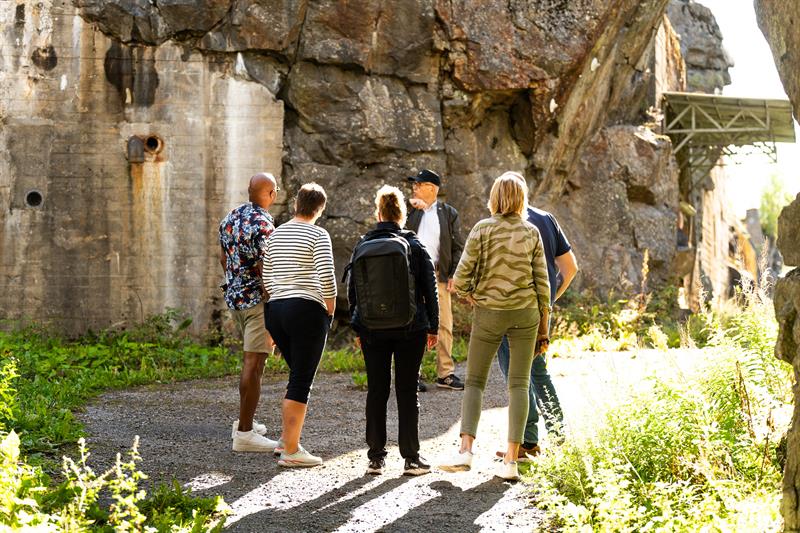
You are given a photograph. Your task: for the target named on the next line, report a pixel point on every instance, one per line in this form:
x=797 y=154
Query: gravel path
x=185 y=434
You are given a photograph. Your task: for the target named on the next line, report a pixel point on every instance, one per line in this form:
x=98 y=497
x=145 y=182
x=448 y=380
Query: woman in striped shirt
x=300 y=281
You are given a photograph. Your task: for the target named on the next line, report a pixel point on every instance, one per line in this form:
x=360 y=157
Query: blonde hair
x=509 y=194
x=390 y=205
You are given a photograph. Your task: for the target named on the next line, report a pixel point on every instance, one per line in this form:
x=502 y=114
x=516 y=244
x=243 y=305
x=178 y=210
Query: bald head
x=263 y=189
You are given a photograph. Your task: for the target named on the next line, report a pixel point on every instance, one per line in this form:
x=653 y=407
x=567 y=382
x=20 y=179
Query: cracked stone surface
x=350 y=94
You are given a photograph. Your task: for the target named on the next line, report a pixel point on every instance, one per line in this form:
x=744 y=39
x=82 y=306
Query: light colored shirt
x=503 y=265
x=429 y=231
x=298 y=263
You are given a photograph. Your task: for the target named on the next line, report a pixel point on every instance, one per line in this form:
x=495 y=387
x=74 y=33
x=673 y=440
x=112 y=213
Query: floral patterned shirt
x=243 y=236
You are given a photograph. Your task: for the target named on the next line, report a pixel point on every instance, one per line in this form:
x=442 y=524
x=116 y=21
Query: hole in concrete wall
x=153 y=144
x=34 y=199
x=45 y=57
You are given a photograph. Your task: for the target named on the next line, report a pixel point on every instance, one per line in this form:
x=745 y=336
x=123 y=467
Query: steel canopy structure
x=704 y=127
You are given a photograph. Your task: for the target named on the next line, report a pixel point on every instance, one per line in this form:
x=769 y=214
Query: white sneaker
x=299 y=458
x=258 y=427
x=278 y=449
x=507 y=471
x=459 y=462
x=250 y=441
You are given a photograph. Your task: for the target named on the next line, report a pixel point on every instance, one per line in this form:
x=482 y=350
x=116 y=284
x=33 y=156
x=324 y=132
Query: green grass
x=55 y=377
x=44 y=378
x=694 y=452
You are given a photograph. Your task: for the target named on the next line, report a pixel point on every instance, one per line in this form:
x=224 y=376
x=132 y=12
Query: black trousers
x=300 y=328
x=378 y=349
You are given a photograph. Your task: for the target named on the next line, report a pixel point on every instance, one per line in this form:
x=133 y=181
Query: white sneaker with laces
x=300 y=458
x=250 y=441
x=258 y=427
x=459 y=462
x=507 y=471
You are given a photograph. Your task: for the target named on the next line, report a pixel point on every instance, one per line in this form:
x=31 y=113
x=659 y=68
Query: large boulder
x=622 y=204
x=707 y=63
x=789 y=233
x=780 y=23
x=145 y=22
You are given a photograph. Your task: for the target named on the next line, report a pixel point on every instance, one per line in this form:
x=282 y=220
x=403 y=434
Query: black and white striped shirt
x=298 y=263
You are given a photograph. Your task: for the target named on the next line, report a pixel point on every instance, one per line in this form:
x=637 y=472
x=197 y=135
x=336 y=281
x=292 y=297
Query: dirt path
x=185 y=433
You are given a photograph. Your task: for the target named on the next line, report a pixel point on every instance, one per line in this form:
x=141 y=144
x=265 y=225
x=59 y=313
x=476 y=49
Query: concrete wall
x=113 y=240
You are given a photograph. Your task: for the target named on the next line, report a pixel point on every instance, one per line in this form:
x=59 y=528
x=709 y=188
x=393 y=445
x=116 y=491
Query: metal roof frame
x=706 y=126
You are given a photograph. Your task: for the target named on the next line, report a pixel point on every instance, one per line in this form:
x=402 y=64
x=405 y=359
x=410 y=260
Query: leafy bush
x=586 y=323
x=695 y=453
x=26 y=502
x=43 y=378
x=774 y=198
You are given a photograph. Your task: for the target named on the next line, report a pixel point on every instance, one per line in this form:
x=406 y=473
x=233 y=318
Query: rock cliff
x=780 y=23
x=139 y=123
x=707 y=62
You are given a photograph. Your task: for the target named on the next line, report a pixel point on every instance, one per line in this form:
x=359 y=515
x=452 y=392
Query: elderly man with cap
x=436 y=224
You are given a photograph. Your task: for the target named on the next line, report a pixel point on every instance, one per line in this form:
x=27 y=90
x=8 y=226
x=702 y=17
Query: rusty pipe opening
x=153 y=144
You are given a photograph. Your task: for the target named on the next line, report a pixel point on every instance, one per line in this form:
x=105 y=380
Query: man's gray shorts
x=251 y=326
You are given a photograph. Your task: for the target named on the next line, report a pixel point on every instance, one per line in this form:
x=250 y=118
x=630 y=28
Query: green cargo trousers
x=488 y=328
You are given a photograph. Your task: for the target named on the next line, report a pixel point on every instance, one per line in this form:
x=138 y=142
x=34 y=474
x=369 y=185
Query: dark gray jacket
x=451 y=242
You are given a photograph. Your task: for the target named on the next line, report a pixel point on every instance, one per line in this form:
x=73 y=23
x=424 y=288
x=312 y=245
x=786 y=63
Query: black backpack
x=382 y=273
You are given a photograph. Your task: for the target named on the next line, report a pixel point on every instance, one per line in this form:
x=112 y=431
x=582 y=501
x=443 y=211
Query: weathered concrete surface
x=350 y=94
x=707 y=62
x=116 y=240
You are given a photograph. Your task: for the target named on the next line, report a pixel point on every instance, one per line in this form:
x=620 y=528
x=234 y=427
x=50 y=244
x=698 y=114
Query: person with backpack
x=301 y=285
x=394 y=310
x=503 y=274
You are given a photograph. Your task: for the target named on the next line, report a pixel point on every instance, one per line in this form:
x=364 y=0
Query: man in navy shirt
x=561 y=269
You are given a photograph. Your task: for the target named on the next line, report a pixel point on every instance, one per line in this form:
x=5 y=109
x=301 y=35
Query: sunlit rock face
x=622 y=203
x=780 y=23
x=787 y=311
x=140 y=122
x=707 y=63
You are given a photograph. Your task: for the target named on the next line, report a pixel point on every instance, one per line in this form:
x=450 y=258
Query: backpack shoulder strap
x=349 y=265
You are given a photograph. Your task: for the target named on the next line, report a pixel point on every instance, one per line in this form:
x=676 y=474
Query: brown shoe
x=524 y=454
x=533 y=452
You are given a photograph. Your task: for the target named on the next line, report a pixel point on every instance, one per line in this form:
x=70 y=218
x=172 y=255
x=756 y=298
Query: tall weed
x=689 y=454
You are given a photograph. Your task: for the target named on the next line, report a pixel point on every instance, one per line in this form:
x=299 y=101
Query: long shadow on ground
x=185 y=434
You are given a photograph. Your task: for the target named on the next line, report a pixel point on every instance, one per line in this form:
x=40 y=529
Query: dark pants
x=408 y=348
x=542 y=392
x=300 y=328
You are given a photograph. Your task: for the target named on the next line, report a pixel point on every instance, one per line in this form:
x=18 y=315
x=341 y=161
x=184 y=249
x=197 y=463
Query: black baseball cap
x=426 y=176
